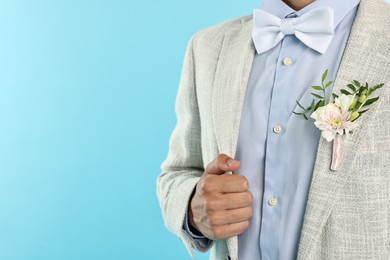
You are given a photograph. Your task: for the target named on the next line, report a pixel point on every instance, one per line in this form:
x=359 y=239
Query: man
x=239 y=86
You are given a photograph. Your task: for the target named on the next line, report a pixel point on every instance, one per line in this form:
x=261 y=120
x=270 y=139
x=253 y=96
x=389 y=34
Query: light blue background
x=87 y=92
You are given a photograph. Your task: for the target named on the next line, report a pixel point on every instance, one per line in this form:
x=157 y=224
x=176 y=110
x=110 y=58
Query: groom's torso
x=347 y=214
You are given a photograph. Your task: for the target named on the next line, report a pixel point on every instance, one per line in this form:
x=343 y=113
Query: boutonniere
x=337 y=118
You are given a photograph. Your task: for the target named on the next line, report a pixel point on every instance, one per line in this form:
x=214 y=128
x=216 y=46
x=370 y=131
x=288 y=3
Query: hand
x=221 y=205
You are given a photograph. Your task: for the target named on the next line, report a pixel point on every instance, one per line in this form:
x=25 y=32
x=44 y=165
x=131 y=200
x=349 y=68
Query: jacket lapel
x=326 y=184
x=231 y=78
x=232 y=74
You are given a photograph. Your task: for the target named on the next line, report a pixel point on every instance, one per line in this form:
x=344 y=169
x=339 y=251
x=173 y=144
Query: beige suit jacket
x=348 y=211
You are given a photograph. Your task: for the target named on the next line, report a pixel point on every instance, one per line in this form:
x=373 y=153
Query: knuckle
x=221 y=157
x=213 y=219
x=245 y=184
x=249 y=197
x=245 y=225
x=211 y=204
x=221 y=160
x=212 y=222
x=210 y=166
x=217 y=232
x=206 y=186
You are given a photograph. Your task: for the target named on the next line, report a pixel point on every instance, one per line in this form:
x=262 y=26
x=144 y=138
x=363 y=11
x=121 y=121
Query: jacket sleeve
x=183 y=166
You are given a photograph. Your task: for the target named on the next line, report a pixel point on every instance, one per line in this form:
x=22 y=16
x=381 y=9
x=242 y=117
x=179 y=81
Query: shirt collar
x=281 y=9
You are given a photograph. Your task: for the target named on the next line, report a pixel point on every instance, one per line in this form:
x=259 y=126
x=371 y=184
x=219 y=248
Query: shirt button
x=287 y=61
x=277 y=129
x=273 y=201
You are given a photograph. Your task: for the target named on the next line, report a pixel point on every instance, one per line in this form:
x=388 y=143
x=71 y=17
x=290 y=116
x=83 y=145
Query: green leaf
x=328 y=84
x=298 y=114
x=317 y=96
x=312 y=105
x=334 y=95
x=319 y=104
x=357 y=106
x=352 y=87
x=308 y=108
x=378 y=86
x=300 y=105
x=363 y=111
x=317 y=87
x=371 y=90
x=324 y=75
x=345 y=92
x=357 y=83
x=370 y=101
x=305 y=116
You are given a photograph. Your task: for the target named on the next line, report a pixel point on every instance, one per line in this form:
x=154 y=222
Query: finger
x=221 y=164
x=232 y=183
x=230 y=201
x=230 y=230
x=236 y=200
x=231 y=216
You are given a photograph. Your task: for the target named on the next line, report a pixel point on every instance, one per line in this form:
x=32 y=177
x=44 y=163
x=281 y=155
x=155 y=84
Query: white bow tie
x=314 y=29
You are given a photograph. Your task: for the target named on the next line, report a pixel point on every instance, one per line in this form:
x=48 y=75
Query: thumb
x=221 y=164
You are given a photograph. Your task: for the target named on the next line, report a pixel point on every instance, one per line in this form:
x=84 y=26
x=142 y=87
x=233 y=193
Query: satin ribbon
x=337 y=153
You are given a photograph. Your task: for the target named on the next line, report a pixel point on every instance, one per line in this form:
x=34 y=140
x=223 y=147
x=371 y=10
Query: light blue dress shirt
x=277 y=149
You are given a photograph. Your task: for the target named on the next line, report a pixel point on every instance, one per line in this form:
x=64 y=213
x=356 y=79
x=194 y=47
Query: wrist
x=192 y=225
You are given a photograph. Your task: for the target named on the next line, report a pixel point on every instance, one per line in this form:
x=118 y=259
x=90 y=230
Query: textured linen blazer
x=348 y=211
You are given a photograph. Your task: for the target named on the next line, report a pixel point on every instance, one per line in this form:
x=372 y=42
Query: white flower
x=344 y=101
x=333 y=118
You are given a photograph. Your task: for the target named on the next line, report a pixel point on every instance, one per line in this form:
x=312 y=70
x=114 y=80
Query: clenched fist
x=221 y=205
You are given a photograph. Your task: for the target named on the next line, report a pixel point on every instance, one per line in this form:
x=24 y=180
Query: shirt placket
x=275 y=167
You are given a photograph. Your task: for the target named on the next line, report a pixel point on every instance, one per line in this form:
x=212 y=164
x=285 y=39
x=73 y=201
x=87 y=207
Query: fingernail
x=231 y=162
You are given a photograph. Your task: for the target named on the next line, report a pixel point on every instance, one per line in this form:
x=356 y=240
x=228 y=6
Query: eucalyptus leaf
x=298 y=114
x=357 y=106
x=374 y=88
x=363 y=111
x=370 y=101
x=317 y=87
x=357 y=83
x=317 y=96
x=345 y=92
x=319 y=104
x=312 y=105
x=335 y=95
x=352 y=87
x=378 y=86
x=324 y=75
x=328 y=84
x=300 y=105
